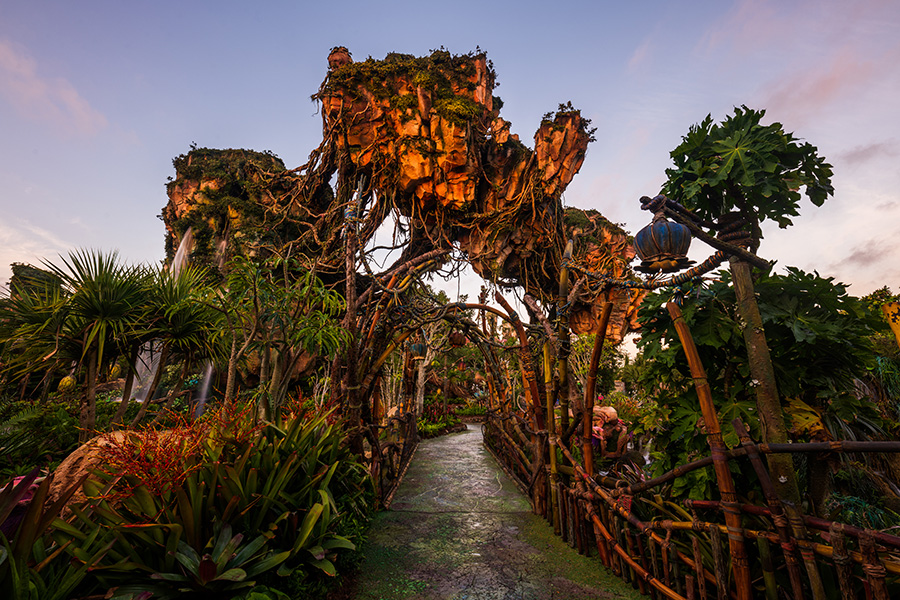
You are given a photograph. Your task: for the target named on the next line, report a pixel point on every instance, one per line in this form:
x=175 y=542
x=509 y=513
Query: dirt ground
x=459 y=529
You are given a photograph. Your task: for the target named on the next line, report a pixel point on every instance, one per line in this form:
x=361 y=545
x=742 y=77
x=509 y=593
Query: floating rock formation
x=422 y=138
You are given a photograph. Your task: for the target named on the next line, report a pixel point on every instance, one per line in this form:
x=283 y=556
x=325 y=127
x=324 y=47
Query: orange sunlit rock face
x=428 y=135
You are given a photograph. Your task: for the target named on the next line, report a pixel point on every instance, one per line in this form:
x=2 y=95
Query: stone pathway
x=459 y=529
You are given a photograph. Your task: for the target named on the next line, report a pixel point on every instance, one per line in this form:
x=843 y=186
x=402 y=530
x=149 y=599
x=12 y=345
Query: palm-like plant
x=186 y=325
x=77 y=316
x=30 y=320
x=104 y=299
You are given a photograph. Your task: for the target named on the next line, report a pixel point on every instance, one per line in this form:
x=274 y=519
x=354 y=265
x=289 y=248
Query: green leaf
x=309 y=521
x=326 y=566
x=234 y=574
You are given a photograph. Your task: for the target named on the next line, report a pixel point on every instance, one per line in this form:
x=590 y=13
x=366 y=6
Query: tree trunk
x=88 y=417
x=265 y=364
x=173 y=393
x=23 y=386
x=231 y=377
x=119 y=417
x=774 y=430
x=351 y=380
x=420 y=385
x=565 y=348
x=45 y=389
x=282 y=370
x=163 y=356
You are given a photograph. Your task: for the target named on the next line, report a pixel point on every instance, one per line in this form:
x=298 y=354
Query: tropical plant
x=281 y=310
x=33 y=434
x=745 y=166
x=34 y=565
x=237 y=500
x=738 y=174
x=185 y=324
x=77 y=316
x=820 y=341
x=228 y=568
x=611 y=361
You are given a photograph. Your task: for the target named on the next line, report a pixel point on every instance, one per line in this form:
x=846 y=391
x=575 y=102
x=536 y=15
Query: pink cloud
x=874 y=151
x=801 y=95
x=640 y=55
x=53 y=101
x=748 y=25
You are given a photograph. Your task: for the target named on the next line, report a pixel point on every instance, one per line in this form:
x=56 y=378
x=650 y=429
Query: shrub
x=208 y=508
x=471 y=410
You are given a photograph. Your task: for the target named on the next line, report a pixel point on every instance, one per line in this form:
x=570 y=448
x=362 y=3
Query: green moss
x=240 y=178
x=584 y=570
x=209 y=163
x=440 y=73
x=567 y=110
x=404 y=101
x=587 y=220
x=459 y=110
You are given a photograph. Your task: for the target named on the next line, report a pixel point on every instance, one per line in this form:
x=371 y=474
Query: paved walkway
x=460 y=529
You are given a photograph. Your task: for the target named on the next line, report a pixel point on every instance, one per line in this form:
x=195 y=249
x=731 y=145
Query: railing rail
x=681 y=550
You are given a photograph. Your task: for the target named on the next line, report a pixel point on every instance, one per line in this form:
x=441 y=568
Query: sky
x=98 y=97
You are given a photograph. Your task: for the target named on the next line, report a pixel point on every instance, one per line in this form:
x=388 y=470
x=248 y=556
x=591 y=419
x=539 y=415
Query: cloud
x=870 y=253
x=876 y=150
x=26 y=243
x=49 y=100
x=801 y=95
x=641 y=55
x=749 y=25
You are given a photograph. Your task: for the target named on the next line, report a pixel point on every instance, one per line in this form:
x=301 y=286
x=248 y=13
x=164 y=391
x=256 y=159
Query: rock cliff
x=421 y=138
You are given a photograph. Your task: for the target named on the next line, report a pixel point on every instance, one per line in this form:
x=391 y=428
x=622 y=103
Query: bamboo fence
x=694 y=549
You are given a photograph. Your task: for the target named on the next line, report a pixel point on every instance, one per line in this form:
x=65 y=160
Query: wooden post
x=590 y=386
x=765 y=558
x=525 y=361
x=562 y=314
x=843 y=562
x=551 y=436
x=872 y=567
x=720 y=463
x=775 y=507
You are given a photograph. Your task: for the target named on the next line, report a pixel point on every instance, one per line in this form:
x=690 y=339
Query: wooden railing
x=684 y=550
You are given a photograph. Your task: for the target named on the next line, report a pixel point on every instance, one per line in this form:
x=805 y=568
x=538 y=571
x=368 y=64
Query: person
x=610 y=435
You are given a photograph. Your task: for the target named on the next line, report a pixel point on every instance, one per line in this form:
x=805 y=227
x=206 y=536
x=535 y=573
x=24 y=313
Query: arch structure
x=416 y=147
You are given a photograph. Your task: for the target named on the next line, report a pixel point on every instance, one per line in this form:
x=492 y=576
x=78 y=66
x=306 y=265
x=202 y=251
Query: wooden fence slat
x=872 y=567
x=698 y=560
x=843 y=563
x=715 y=538
x=765 y=558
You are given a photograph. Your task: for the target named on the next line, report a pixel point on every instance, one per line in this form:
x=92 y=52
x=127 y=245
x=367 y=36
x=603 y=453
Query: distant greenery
x=43 y=434
x=436 y=419
x=471 y=410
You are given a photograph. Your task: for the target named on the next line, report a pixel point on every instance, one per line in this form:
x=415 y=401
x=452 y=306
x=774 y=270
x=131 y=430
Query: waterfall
x=182 y=255
x=203 y=390
x=148 y=358
x=146 y=367
x=220 y=252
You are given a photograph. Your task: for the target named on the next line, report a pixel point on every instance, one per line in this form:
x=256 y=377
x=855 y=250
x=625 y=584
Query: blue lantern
x=662 y=246
x=417 y=351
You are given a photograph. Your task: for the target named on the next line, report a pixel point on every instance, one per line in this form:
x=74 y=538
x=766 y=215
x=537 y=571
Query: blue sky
x=96 y=98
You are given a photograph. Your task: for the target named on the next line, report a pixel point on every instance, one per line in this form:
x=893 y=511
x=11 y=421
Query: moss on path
x=460 y=529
